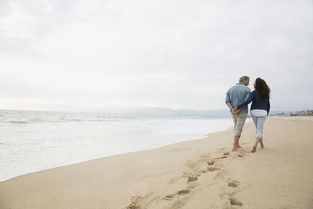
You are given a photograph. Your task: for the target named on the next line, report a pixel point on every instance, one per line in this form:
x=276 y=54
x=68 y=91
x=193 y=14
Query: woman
x=260 y=108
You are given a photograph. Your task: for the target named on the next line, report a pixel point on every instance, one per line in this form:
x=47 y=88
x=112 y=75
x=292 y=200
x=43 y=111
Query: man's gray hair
x=243 y=78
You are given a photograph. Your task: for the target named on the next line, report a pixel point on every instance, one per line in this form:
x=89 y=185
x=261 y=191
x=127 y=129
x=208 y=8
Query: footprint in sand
x=169 y=197
x=179 y=193
x=225 y=155
x=234 y=201
x=192 y=179
x=134 y=203
x=213 y=168
x=232 y=183
x=183 y=191
x=241 y=155
x=210 y=162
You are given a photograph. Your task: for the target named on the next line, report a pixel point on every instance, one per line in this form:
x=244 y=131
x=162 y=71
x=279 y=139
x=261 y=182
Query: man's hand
x=235 y=110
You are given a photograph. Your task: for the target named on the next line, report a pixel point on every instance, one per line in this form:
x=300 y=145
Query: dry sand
x=198 y=174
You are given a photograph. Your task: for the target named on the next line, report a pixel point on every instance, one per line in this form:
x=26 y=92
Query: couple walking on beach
x=237 y=99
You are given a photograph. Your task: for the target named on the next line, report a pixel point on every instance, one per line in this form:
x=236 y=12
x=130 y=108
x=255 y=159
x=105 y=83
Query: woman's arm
x=268 y=106
x=246 y=102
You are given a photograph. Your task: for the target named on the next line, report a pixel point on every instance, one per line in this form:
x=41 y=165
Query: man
x=235 y=96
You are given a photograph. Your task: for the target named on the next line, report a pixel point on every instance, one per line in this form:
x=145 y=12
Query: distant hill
x=169 y=111
x=160 y=111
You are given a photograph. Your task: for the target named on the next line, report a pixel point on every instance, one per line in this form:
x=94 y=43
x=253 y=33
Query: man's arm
x=229 y=105
x=228 y=101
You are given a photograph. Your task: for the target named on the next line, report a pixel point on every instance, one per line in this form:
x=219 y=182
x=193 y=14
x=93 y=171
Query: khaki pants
x=239 y=122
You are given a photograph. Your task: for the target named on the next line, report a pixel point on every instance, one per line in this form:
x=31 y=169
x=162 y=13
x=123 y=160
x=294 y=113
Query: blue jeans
x=259 y=123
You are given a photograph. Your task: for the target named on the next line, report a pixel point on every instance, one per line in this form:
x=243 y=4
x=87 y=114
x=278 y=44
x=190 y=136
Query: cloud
x=154 y=53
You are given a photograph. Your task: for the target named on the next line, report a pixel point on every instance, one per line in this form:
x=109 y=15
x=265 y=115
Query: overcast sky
x=91 y=54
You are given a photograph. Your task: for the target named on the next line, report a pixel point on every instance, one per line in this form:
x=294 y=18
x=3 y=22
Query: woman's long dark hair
x=262 y=88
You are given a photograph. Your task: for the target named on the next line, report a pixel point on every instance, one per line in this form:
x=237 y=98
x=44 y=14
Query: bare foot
x=234 y=149
x=238 y=146
x=261 y=142
x=253 y=149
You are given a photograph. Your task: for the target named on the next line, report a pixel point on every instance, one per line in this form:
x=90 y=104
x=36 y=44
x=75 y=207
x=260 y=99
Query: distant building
x=302 y=113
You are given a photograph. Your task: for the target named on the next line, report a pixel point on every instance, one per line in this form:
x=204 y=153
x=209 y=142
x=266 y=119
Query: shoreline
x=147 y=148
x=109 y=156
x=200 y=173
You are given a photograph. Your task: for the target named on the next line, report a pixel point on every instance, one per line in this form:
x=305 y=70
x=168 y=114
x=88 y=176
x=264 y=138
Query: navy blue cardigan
x=257 y=102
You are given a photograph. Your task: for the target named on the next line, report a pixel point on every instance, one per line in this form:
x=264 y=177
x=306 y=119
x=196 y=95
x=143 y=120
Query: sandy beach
x=197 y=174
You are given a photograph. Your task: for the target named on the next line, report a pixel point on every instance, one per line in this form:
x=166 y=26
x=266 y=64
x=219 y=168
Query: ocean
x=31 y=141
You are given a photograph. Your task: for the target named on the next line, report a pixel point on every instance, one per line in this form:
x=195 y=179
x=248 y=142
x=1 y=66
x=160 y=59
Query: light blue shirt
x=237 y=94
